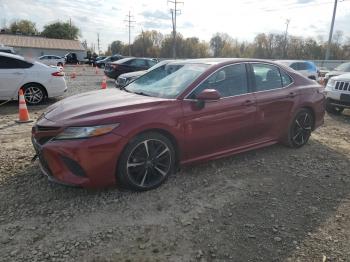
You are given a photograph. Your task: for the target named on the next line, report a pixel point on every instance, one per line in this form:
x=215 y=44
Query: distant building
x=35 y=46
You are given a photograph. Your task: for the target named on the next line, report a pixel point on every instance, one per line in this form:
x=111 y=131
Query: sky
x=240 y=19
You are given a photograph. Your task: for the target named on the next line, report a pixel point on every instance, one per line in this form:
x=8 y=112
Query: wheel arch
x=37 y=84
x=163 y=132
x=168 y=135
x=312 y=111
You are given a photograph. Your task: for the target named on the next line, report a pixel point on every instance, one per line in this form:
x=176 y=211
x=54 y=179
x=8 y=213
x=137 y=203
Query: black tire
x=34 y=94
x=335 y=110
x=146 y=162
x=300 y=128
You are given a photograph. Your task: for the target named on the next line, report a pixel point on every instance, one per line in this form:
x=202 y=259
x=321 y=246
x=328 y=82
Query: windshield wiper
x=141 y=93
x=137 y=93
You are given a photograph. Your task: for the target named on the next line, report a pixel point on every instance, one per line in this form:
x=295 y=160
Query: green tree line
x=59 y=30
x=267 y=46
x=155 y=44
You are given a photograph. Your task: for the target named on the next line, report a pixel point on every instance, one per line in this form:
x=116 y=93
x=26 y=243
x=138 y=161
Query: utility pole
x=98 y=43
x=70 y=27
x=174 y=11
x=143 y=43
x=331 y=31
x=129 y=21
x=286 y=39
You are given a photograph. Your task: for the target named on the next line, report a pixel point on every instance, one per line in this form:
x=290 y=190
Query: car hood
x=335 y=73
x=98 y=107
x=133 y=74
x=345 y=77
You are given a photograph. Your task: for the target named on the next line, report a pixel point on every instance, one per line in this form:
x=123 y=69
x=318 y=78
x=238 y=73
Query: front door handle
x=248 y=103
x=291 y=95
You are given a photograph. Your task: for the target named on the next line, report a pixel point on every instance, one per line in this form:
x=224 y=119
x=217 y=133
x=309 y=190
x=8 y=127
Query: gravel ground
x=272 y=204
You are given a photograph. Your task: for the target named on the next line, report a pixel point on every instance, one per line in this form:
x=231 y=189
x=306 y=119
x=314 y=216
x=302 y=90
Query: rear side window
x=286 y=79
x=228 y=81
x=138 y=63
x=12 y=63
x=294 y=66
x=304 y=66
x=151 y=63
x=267 y=77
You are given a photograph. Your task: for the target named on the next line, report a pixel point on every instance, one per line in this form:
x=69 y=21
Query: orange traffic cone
x=104 y=83
x=23 y=115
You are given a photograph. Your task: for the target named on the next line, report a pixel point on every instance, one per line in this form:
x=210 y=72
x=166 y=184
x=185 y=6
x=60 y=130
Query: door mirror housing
x=208 y=95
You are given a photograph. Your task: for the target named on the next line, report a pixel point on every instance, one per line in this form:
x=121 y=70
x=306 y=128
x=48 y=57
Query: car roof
x=12 y=55
x=219 y=61
x=292 y=61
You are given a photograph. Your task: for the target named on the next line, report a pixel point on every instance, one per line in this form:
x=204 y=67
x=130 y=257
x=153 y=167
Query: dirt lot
x=273 y=204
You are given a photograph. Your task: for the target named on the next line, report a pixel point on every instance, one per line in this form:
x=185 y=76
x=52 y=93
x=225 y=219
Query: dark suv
x=130 y=64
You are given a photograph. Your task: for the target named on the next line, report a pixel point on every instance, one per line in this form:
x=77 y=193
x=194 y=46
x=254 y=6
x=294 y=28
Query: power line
x=129 y=21
x=174 y=11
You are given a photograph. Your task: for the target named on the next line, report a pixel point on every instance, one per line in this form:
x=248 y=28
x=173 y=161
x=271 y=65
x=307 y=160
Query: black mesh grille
x=44 y=164
x=44 y=139
x=73 y=166
x=47 y=128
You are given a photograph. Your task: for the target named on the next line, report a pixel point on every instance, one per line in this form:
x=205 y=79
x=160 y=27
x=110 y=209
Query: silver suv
x=338 y=94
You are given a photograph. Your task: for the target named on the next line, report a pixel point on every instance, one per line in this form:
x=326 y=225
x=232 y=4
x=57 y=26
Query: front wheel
x=300 y=129
x=146 y=162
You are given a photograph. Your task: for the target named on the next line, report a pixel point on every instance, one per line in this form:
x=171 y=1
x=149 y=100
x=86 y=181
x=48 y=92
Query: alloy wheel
x=33 y=94
x=149 y=163
x=302 y=127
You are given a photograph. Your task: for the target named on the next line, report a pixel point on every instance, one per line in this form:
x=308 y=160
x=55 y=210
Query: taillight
x=57 y=74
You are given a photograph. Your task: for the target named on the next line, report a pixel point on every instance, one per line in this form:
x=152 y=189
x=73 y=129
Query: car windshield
x=167 y=81
x=343 y=67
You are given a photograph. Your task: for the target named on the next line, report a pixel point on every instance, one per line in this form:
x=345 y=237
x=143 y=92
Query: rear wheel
x=336 y=110
x=300 y=128
x=33 y=94
x=146 y=162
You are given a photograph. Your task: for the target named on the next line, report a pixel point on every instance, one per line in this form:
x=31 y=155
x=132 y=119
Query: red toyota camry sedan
x=181 y=113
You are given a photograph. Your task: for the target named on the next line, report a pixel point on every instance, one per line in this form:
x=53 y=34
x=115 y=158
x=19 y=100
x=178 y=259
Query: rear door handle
x=17 y=73
x=248 y=103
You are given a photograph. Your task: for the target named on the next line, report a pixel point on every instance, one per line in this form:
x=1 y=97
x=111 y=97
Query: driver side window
x=228 y=81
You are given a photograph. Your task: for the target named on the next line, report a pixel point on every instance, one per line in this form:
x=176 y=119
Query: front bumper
x=339 y=103
x=90 y=163
x=336 y=98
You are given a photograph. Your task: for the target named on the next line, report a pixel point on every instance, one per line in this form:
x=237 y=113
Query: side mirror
x=208 y=95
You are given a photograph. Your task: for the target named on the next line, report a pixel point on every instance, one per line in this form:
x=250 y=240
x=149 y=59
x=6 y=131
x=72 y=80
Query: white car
x=53 y=60
x=338 y=94
x=306 y=68
x=37 y=80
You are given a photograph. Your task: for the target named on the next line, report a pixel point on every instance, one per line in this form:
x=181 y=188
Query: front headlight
x=85 y=132
x=331 y=83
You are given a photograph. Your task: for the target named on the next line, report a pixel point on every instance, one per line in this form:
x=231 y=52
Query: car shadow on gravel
x=343 y=118
x=286 y=194
x=255 y=206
